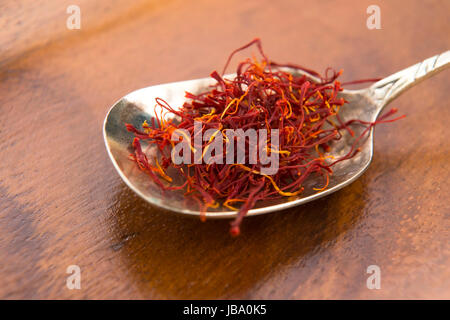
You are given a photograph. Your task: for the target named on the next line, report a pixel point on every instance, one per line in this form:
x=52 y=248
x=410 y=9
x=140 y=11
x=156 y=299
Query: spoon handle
x=389 y=88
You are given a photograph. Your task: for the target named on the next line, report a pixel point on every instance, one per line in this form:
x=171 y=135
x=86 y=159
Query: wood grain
x=62 y=203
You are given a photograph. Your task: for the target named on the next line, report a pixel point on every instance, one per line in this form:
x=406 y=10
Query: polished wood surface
x=62 y=203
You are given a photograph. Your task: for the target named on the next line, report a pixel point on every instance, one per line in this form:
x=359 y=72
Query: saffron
x=260 y=96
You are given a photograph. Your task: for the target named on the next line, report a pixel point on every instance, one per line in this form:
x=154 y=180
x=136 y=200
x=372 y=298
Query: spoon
x=365 y=104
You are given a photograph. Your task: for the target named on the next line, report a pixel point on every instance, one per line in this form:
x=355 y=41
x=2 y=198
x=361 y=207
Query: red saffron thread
x=260 y=96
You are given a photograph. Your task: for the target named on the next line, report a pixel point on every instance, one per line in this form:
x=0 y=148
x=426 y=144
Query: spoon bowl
x=365 y=104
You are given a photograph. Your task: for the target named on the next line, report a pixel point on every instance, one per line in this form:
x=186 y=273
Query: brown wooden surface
x=62 y=203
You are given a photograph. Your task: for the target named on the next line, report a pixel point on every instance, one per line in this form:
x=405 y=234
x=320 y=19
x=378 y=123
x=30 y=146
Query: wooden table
x=62 y=203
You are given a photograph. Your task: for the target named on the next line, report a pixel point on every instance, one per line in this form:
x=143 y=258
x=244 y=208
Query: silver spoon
x=365 y=104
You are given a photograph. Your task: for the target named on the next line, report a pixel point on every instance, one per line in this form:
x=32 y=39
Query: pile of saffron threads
x=260 y=96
